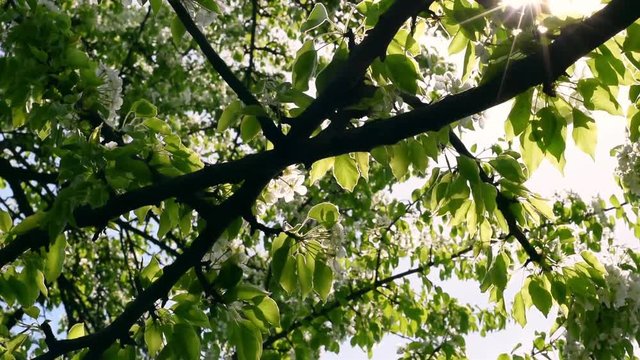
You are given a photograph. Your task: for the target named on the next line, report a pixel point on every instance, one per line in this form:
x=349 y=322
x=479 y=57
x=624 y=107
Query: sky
x=583 y=175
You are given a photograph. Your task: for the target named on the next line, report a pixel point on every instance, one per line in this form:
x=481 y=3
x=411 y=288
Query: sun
x=559 y=8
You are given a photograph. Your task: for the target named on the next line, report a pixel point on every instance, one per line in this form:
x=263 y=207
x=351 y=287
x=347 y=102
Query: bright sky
x=586 y=177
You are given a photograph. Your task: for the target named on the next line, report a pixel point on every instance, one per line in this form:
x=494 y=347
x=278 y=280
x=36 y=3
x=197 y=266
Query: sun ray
x=483 y=14
x=513 y=45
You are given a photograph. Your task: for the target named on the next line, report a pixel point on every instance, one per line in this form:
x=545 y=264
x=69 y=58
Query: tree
x=189 y=179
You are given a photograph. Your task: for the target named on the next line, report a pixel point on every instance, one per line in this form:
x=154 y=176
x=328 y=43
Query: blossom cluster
x=110 y=93
x=616 y=310
x=285 y=187
x=629 y=167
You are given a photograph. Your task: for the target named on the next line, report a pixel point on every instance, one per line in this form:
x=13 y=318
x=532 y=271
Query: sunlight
x=573 y=8
x=560 y=8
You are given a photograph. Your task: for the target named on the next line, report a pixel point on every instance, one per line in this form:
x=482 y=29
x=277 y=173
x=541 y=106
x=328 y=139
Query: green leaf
x=550 y=132
x=249 y=292
x=230 y=115
x=325 y=213
x=585 y=133
x=519 y=310
x=14 y=344
x=5 y=221
x=593 y=261
x=156 y=5
x=229 y=276
x=247 y=339
x=32 y=311
x=269 y=309
x=634 y=125
x=304 y=66
x=305 y=267
x=540 y=296
x=153 y=338
x=76 y=331
x=469 y=169
x=532 y=154
x=280 y=253
x=399 y=160
x=598 y=97
x=143 y=108
x=470 y=61
x=632 y=40
x=191 y=313
x=151 y=272
x=345 y=172
x=602 y=69
x=316 y=18
x=418 y=156
x=403 y=72
x=320 y=168
x=509 y=168
x=76 y=58
x=288 y=278
x=458 y=43
x=249 y=128
x=520 y=115
x=542 y=206
x=177 y=30
x=157 y=125
x=362 y=158
x=185 y=342
x=380 y=155
x=39 y=280
x=326 y=75
x=55 y=259
x=580 y=285
x=322 y=279
x=254 y=110
x=499 y=271
x=210 y=5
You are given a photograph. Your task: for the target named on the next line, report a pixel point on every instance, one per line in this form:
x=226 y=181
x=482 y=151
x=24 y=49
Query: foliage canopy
x=202 y=179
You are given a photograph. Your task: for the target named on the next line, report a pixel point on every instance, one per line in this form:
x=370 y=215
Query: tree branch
x=252 y=41
x=9 y=172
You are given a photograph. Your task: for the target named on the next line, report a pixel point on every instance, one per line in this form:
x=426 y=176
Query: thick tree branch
x=9 y=172
x=271 y=132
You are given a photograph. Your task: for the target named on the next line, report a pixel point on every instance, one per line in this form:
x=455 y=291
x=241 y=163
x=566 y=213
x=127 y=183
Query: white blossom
x=618 y=301
x=629 y=167
x=204 y=17
x=111 y=145
x=598 y=211
x=110 y=93
x=285 y=187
